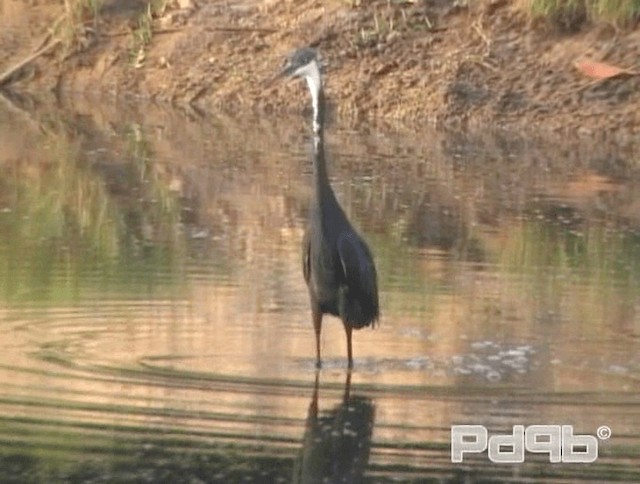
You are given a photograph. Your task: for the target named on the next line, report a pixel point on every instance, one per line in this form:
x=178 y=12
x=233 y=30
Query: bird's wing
x=357 y=264
x=306 y=257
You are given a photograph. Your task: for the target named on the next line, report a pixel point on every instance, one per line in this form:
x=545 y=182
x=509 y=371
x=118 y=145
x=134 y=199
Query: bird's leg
x=313 y=406
x=347 y=387
x=317 y=327
x=348 y=329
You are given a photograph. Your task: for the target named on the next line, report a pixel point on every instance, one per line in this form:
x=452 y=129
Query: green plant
x=571 y=14
x=143 y=34
x=616 y=11
x=77 y=13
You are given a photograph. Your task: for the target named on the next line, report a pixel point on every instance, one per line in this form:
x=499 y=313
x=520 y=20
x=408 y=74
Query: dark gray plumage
x=337 y=263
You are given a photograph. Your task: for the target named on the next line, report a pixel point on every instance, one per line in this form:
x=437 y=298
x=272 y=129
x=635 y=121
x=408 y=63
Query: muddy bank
x=436 y=62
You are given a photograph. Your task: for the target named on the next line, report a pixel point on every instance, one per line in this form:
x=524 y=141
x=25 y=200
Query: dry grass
x=572 y=14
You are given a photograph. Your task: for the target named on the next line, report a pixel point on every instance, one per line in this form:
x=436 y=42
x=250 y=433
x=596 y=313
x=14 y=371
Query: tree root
x=46 y=44
x=7 y=76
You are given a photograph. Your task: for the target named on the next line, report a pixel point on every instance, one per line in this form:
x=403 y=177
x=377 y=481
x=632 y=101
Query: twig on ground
x=477 y=27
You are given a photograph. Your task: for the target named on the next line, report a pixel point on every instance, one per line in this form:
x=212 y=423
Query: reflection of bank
x=336 y=444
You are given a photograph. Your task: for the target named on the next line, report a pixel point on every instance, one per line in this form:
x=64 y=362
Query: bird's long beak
x=275 y=78
x=286 y=71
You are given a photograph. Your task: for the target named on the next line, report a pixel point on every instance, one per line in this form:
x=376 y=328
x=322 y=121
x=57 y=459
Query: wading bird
x=336 y=262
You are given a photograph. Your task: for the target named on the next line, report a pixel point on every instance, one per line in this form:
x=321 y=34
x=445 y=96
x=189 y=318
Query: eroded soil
x=446 y=62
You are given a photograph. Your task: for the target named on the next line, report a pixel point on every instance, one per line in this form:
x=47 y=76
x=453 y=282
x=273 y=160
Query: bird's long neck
x=322 y=188
x=320 y=176
x=314 y=82
x=318 y=113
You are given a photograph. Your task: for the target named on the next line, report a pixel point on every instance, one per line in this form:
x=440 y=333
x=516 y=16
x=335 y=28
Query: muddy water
x=155 y=323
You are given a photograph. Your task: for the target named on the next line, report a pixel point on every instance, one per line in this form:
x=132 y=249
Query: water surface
x=156 y=326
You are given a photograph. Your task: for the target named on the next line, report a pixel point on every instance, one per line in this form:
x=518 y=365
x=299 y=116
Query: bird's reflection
x=336 y=443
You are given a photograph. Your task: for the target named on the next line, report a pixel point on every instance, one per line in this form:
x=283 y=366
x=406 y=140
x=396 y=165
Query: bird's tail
x=360 y=312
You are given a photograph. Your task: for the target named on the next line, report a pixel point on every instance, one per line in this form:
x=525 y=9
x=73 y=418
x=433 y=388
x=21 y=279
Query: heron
x=336 y=262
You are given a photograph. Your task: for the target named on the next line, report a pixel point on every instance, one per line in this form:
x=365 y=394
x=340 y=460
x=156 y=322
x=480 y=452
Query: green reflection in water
x=144 y=458
x=64 y=218
x=595 y=254
x=588 y=275
x=397 y=266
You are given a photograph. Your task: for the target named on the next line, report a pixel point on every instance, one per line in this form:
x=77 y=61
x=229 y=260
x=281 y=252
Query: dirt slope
x=416 y=62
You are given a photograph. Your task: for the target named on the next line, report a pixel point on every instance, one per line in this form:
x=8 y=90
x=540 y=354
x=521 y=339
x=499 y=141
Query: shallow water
x=156 y=328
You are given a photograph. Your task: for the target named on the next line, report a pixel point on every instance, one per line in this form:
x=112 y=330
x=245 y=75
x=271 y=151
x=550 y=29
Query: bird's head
x=305 y=63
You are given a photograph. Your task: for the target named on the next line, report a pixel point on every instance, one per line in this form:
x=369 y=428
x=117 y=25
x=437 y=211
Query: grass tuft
x=570 y=15
x=622 y=12
x=143 y=34
x=77 y=13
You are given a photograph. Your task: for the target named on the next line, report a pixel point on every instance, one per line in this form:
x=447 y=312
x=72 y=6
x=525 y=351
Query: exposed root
x=10 y=74
x=47 y=44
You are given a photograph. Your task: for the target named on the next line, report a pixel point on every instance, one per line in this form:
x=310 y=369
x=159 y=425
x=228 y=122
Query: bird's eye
x=286 y=62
